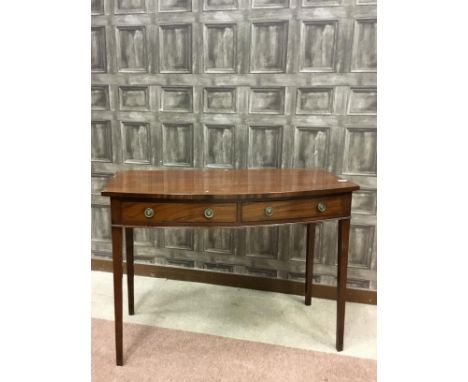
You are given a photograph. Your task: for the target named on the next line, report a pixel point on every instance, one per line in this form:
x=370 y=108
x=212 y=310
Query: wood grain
x=202 y=184
x=133 y=213
x=296 y=209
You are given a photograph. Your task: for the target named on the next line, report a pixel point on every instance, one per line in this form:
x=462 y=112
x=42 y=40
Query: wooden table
x=227 y=198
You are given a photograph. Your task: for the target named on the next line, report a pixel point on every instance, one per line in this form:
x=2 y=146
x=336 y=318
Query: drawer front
x=156 y=213
x=284 y=210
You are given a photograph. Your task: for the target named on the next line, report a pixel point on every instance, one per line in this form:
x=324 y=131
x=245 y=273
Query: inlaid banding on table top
x=233 y=184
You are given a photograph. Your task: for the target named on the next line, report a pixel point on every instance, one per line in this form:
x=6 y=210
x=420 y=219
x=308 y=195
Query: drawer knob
x=209 y=213
x=321 y=207
x=269 y=211
x=149 y=213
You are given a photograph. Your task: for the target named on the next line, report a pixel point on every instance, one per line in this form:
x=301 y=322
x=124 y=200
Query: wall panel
x=131 y=49
x=175 y=48
x=233 y=84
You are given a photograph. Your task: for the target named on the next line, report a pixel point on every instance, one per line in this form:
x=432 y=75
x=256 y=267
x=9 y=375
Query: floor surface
x=237 y=313
x=154 y=354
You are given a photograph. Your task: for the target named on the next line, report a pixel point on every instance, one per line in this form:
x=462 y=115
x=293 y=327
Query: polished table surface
x=226 y=183
x=231 y=198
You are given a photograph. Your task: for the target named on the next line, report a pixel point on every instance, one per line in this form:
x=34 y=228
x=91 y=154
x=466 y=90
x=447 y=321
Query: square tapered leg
x=343 y=244
x=130 y=270
x=309 y=262
x=117 y=273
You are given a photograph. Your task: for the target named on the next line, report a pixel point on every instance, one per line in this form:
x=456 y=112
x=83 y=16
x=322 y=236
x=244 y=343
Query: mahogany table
x=227 y=198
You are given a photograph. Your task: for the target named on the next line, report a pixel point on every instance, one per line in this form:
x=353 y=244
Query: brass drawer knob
x=321 y=207
x=149 y=213
x=209 y=213
x=269 y=211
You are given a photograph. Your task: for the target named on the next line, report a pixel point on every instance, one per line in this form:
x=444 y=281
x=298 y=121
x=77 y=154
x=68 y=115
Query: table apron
x=230 y=225
x=136 y=213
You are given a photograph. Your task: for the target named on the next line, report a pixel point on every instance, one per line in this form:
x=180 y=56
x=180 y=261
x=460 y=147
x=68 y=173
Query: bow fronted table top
x=208 y=184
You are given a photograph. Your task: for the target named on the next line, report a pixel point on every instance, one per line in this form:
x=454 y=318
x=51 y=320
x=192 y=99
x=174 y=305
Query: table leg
x=343 y=244
x=130 y=271
x=117 y=272
x=309 y=262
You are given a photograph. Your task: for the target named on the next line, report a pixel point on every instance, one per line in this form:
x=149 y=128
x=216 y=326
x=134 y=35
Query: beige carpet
x=157 y=354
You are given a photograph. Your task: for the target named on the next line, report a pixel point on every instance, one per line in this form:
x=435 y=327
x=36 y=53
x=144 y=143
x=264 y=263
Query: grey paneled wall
x=238 y=83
